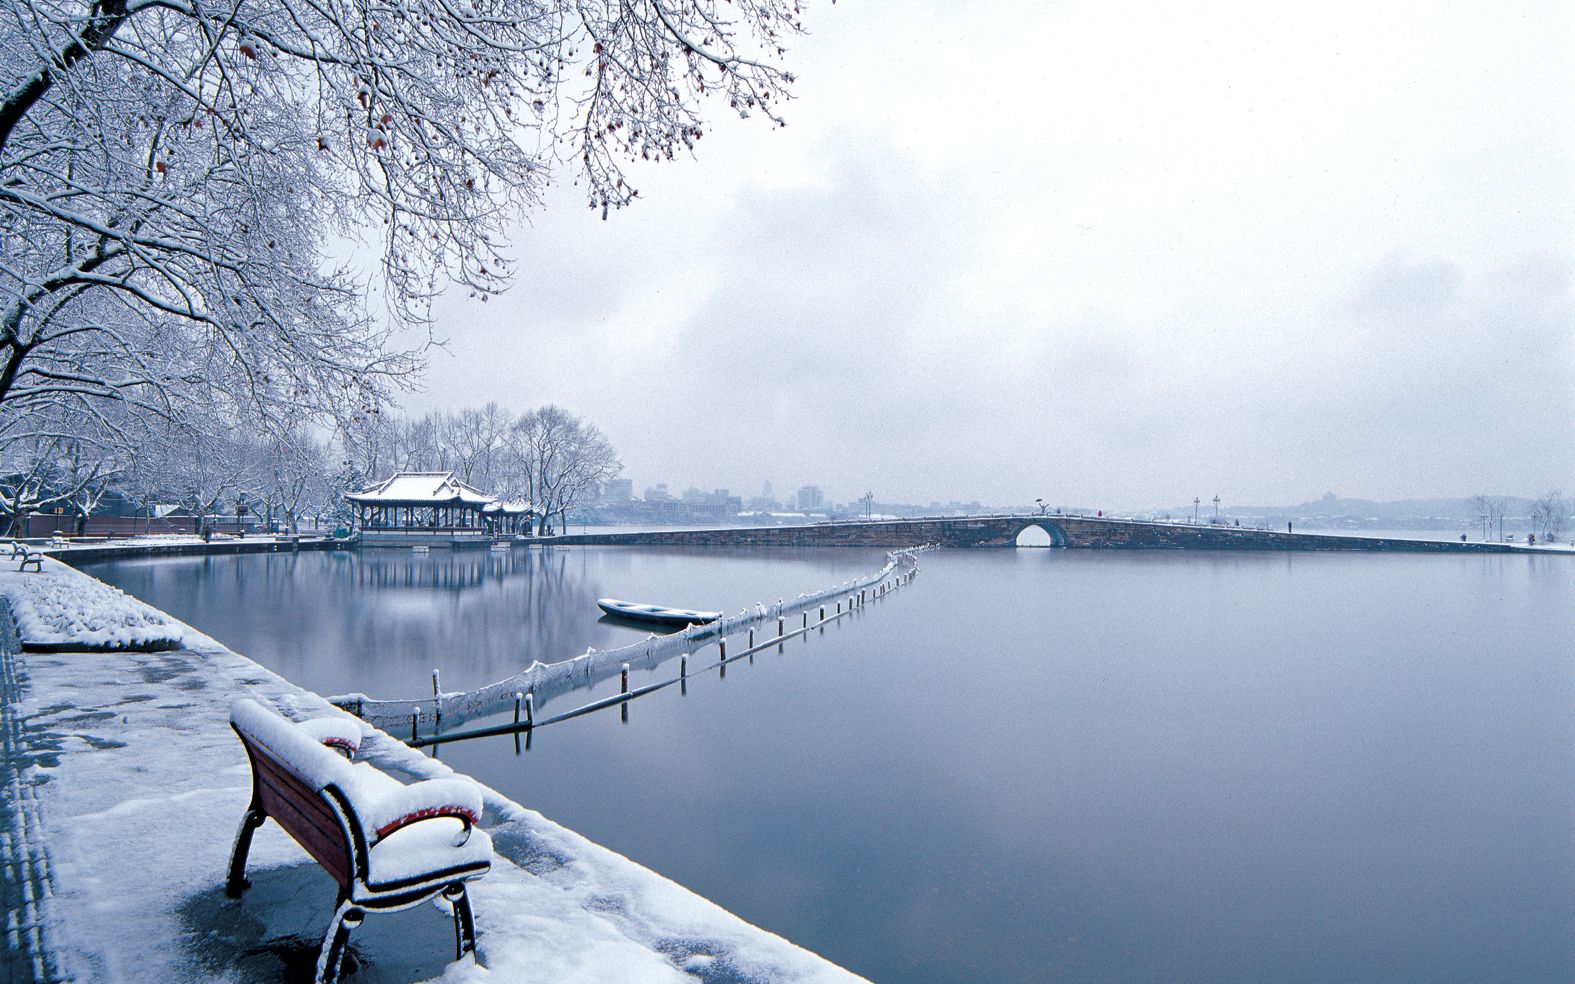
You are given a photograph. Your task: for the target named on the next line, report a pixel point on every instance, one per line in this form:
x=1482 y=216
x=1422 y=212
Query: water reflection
x=379 y=621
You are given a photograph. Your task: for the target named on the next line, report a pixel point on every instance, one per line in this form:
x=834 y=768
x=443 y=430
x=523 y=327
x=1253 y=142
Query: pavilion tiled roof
x=422 y=489
x=509 y=507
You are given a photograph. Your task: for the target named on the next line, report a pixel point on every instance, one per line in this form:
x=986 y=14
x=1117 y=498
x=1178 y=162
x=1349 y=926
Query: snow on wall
x=546 y=680
x=56 y=606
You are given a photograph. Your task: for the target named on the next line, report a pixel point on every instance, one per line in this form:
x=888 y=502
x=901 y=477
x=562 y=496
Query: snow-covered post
x=683 y=666
x=437 y=698
x=415 y=716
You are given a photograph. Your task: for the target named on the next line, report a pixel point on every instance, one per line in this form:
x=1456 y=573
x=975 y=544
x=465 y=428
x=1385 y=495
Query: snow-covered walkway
x=124 y=789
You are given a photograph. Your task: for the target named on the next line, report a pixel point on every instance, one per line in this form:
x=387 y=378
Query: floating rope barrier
x=540 y=682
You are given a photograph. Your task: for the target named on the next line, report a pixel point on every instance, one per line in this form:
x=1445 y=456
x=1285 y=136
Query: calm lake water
x=1029 y=765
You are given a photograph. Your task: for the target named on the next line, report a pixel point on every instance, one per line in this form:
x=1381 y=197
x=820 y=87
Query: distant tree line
x=548 y=456
x=1548 y=514
x=282 y=475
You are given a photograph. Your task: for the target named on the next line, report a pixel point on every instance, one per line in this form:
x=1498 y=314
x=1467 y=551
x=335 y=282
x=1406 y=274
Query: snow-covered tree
x=52 y=457
x=477 y=437
x=174 y=175
x=199 y=466
x=294 y=473
x=1548 y=515
x=559 y=460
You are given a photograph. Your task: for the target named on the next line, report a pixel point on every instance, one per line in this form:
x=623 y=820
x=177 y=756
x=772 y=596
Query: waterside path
x=125 y=785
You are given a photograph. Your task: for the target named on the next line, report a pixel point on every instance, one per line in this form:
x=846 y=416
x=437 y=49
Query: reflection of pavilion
x=434 y=508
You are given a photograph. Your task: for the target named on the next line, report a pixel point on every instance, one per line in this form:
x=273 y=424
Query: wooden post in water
x=721 y=645
x=519 y=701
x=683 y=666
x=822 y=613
x=623 y=709
x=530 y=712
x=415 y=715
x=806 y=619
x=751 y=637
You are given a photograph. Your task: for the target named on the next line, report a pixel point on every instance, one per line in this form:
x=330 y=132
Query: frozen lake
x=1028 y=765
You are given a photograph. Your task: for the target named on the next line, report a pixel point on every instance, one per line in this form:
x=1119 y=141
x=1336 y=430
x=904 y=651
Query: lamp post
x=1195 y=502
x=1216 y=509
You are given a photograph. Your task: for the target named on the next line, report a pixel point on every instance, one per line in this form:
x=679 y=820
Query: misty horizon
x=1101 y=258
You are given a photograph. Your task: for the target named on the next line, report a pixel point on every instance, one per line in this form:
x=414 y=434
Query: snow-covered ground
x=57 y=606
x=136 y=786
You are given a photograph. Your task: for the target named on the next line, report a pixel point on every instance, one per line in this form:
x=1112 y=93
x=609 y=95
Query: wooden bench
x=388 y=845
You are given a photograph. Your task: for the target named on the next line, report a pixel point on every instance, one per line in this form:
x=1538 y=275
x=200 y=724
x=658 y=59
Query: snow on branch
x=174 y=174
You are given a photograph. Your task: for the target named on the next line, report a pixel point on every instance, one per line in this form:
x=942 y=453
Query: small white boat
x=655 y=613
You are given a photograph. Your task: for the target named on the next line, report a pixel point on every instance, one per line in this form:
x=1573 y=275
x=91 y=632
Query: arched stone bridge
x=1002 y=531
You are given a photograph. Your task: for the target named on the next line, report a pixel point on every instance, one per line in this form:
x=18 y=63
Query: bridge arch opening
x=1041 y=535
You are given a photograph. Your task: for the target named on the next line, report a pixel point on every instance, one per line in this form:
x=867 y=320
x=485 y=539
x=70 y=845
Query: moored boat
x=655 y=614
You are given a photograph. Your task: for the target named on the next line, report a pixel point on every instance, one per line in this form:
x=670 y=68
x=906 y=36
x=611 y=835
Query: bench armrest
x=387 y=812
x=339 y=733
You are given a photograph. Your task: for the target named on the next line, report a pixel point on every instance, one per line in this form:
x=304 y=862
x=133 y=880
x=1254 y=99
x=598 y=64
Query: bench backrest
x=295 y=781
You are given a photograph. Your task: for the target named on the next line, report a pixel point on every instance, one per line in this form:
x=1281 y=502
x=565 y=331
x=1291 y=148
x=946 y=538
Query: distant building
x=810 y=498
x=657 y=493
x=618 y=490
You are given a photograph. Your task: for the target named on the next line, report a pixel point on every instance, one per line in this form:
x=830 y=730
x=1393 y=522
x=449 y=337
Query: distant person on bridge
x=1287 y=527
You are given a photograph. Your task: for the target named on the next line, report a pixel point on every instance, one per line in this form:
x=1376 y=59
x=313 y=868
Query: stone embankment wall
x=261 y=544
x=1002 y=531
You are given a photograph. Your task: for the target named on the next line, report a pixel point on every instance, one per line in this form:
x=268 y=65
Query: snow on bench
x=388 y=845
x=30 y=558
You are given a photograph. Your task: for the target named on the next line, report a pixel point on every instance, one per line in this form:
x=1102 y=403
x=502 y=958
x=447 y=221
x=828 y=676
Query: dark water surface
x=1028 y=765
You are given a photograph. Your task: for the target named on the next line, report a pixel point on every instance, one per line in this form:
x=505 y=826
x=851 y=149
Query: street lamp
x=1216 y=509
x=1195 y=501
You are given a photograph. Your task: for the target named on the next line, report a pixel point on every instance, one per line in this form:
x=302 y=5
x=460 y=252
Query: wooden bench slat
x=327 y=850
x=304 y=815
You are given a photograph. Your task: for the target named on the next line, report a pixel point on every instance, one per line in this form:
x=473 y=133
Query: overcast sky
x=1113 y=257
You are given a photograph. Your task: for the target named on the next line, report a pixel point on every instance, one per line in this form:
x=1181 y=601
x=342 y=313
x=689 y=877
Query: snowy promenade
x=124 y=787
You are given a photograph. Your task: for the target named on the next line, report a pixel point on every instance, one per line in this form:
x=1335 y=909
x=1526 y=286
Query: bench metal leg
x=243 y=845
x=464 y=923
x=346 y=918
